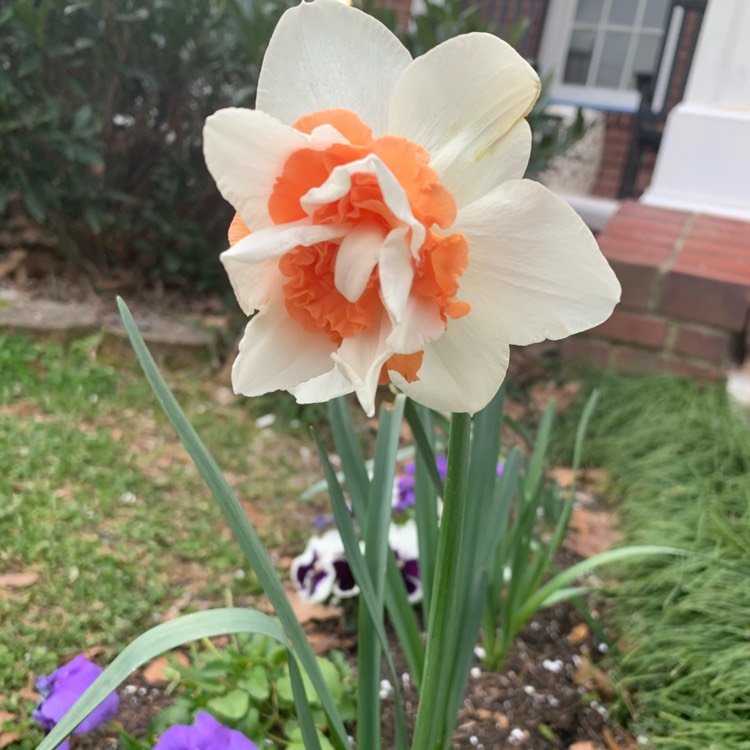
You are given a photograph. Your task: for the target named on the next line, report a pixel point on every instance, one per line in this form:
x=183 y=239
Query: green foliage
x=678 y=456
x=246 y=685
x=102 y=103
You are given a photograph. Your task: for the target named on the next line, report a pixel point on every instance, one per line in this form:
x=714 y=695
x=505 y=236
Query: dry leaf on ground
x=18 y=580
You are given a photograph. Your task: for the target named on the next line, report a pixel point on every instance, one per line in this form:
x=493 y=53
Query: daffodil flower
x=383 y=231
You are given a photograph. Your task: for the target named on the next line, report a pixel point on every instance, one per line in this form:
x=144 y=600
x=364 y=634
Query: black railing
x=651 y=116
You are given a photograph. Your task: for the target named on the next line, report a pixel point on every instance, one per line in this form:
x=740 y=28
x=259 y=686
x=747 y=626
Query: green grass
x=101 y=504
x=679 y=460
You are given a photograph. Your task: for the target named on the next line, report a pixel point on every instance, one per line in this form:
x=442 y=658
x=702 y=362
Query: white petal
x=339 y=183
x=458 y=100
x=360 y=359
x=420 y=325
x=534 y=267
x=253 y=283
x=462 y=370
x=252 y=263
x=331 y=384
x=357 y=255
x=276 y=353
x=396 y=273
x=326 y=55
x=245 y=152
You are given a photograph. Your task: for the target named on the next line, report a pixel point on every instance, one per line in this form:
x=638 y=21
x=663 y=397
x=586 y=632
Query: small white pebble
x=577 y=661
x=129 y=689
x=201 y=409
x=642 y=739
x=386 y=689
x=406 y=679
x=553 y=665
x=128 y=498
x=529 y=690
x=474 y=740
x=476 y=672
x=239 y=574
x=517 y=735
x=535 y=626
x=553 y=701
x=265 y=421
x=603 y=648
x=507 y=573
x=142 y=691
x=479 y=652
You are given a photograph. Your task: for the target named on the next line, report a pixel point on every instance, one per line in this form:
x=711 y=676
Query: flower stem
x=447 y=596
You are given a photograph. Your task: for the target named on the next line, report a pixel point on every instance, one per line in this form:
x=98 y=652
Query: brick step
x=686 y=293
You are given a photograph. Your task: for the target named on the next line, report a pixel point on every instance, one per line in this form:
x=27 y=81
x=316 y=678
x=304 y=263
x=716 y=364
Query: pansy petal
x=325 y=387
x=356 y=258
x=327 y=55
x=462 y=370
x=276 y=353
x=245 y=151
x=535 y=269
x=458 y=100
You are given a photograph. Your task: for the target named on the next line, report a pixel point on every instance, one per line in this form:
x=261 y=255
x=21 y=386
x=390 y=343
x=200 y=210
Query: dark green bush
x=102 y=103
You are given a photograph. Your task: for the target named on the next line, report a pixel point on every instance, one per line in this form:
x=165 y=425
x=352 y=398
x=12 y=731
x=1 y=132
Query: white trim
x=595 y=212
x=595 y=97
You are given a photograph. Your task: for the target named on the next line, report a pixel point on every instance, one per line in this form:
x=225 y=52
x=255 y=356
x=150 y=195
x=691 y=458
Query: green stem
x=445 y=611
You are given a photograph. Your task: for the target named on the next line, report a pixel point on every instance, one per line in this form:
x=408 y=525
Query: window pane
x=623 y=12
x=579 y=56
x=589 y=10
x=655 y=14
x=614 y=52
x=645 y=55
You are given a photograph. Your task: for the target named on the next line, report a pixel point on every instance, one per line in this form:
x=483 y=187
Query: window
x=595 y=49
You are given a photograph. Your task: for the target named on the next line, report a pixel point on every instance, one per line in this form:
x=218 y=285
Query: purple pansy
x=404 y=542
x=403 y=491
x=205 y=734
x=63 y=688
x=322 y=570
x=403 y=495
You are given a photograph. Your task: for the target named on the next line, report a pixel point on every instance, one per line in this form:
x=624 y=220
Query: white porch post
x=704 y=159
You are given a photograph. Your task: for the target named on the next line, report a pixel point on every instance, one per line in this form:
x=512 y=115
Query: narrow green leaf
x=426 y=498
x=304 y=712
x=564 y=578
x=367 y=595
x=241 y=527
x=156 y=641
x=425 y=445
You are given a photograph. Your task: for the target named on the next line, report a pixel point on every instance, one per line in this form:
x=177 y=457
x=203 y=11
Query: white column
x=704 y=159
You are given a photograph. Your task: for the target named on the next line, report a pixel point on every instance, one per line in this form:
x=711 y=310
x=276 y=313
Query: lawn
x=106 y=526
